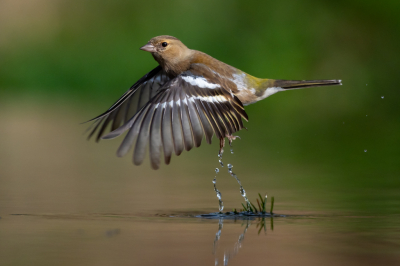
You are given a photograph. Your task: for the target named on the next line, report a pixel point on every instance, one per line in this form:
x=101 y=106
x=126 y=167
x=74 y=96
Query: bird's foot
x=230 y=138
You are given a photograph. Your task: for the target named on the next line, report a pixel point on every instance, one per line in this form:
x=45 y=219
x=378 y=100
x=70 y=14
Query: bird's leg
x=221 y=147
x=230 y=138
x=221 y=151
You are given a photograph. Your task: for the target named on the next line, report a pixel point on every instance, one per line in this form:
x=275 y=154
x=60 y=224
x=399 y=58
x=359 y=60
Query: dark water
x=66 y=201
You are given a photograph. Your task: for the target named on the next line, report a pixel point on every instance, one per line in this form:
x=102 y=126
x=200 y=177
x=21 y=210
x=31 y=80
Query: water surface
x=66 y=201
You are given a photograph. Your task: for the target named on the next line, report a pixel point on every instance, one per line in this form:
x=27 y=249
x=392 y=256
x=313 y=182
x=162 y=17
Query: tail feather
x=298 y=84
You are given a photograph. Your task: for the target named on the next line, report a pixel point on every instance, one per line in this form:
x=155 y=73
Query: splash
x=220 y=159
x=242 y=191
x=219 y=196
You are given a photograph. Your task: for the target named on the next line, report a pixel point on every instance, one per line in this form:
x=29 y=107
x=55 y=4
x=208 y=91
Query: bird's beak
x=148 y=48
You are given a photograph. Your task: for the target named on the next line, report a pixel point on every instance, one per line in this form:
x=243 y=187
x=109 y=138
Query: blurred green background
x=336 y=148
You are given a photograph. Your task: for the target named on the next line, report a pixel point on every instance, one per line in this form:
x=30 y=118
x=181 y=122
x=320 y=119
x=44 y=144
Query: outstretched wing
x=185 y=109
x=130 y=102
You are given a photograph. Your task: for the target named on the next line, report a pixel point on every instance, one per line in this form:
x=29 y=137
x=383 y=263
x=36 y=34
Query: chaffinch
x=189 y=95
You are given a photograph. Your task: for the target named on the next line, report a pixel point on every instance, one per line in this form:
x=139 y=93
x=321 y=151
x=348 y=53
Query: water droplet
x=230 y=166
x=221 y=163
x=382 y=97
x=214 y=181
x=217 y=170
x=231 y=151
x=242 y=191
x=219 y=195
x=365 y=150
x=221 y=206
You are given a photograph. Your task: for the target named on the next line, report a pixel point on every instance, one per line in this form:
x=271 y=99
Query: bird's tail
x=299 y=84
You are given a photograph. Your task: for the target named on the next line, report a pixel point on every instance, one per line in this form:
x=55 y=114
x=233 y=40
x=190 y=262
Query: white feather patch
x=200 y=82
x=210 y=99
x=239 y=80
x=269 y=92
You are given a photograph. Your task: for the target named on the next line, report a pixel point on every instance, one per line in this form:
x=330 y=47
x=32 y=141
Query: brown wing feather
x=184 y=110
x=130 y=102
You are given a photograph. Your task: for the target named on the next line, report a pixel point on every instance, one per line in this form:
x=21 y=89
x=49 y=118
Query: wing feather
x=143 y=137
x=186 y=125
x=119 y=116
x=132 y=133
x=166 y=131
x=208 y=127
x=197 y=128
x=155 y=135
x=177 y=124
x=107 y=121
x=178 y=114
x=130 y=102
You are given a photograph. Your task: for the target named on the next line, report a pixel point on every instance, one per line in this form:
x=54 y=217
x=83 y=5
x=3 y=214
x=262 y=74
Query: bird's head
x=169 y=52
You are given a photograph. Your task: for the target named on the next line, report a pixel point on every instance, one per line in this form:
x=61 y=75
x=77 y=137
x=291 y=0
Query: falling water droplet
x=231 y=151
x=365 y=150
x=382 y=97
x=221 y=205
x=229 y=168
x=237 y=179
x=242 y=191
x=216 y=170
x=214 y=181
x=219 y=195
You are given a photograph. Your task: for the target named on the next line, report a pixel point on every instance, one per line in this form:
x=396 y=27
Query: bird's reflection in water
x=230 y=252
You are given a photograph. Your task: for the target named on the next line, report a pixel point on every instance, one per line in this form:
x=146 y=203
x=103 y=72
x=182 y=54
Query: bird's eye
x=164 y=44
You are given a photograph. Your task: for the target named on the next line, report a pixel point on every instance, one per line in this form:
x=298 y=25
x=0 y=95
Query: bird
x=188 y=97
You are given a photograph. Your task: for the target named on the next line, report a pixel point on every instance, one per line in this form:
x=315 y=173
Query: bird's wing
x=184 y=110
x=129 y=103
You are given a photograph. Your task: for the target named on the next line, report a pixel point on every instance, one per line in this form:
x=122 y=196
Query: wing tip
x=111 y=135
